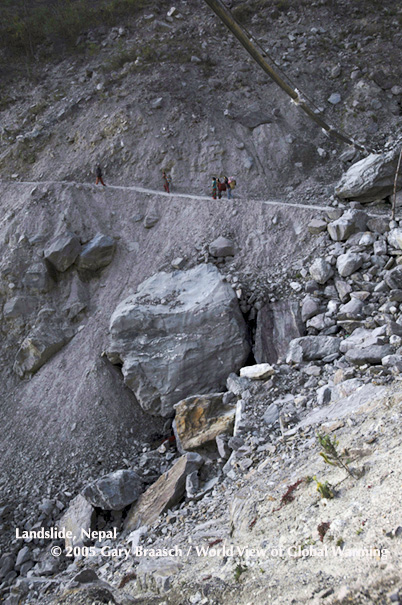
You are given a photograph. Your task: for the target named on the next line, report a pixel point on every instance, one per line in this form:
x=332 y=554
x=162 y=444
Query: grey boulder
x=352 y=221
x=222 y=246
x=311 y=306
x=309 y=348
x=39 y=346
x=393 y=278
x=271 y=414
x=97 y=253
x=371 y=354
x=348 y=263
x=79 y=516
x=395 y=238
x=62 y=251
x=370 y=179
x=114 y=491
x=321 y=271
x=182 y=333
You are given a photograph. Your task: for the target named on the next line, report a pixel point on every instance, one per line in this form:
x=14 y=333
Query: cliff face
x=164 y=88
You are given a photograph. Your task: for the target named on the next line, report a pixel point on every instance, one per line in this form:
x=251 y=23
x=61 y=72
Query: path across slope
x=189 y=196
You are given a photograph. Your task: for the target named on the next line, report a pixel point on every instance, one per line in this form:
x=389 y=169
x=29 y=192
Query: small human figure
x=221 y=187
x=99 y=178
x=228 y=189
x=232 y=185
x=214 y=187
x=165 y=182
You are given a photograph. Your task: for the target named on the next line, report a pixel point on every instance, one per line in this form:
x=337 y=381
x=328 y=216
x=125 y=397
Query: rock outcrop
x=182 y=333
x=277 y=324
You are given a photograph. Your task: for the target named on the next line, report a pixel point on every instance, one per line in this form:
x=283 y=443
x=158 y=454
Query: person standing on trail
x=228 y=189
x=165 y=182
x=221 y=187
x=99 y=178
x=232 y=185
x=214 y=187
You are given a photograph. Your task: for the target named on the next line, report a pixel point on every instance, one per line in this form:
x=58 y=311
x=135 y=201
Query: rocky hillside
x=168 y=360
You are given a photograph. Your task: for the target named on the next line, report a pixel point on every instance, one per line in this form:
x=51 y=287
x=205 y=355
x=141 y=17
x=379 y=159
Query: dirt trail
x=145 y=190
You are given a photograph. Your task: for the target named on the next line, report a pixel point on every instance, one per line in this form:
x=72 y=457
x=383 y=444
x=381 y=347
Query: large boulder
x=114 y=491
x=371 y=178
x=277 y=324
x=352 y=221
x=167 y=491
x=310 y=348
x=182 y=333
x=62 y=251
x=97 y=253
x=200 y=419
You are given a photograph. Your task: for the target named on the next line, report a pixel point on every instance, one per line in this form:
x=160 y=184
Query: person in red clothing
x=221 y=187
x=99 y=178
x=165 y=182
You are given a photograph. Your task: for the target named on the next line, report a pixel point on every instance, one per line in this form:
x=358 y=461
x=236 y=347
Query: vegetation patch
x=24 y=27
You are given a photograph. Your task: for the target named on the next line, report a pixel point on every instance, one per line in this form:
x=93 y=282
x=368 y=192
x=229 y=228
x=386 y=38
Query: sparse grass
x=27 y=25
x=239 y=570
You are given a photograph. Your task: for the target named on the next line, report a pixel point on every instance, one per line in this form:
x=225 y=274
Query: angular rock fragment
x=37 y=278
x=19 y=306
x=371 y=354
x=222 y=246
x=260 y=371
x=311 y=306
x=167 y=491
x=150 y=221
x=80 y=515
x=200 y=419
x=39 y=346
x=352 y=221
x=393 y=278
x=62 y=251
x=317 y=226
x=321 y=271
x=97 y=253
x=348 y=263
x=309 y=348
x=114 y=491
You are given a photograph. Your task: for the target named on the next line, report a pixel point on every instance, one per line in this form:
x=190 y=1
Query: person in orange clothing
x=99 y=178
